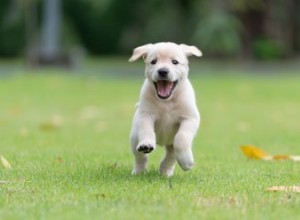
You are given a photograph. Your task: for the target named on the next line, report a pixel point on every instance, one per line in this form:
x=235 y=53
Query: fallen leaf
x=5 y=163
x=54 y=123
x=281 y=157
x=284 y=189
x=254 y=152
x=48 y=126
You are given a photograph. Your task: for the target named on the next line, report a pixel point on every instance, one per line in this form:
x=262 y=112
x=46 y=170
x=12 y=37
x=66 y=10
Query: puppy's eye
x=153 y=62
x=175 y=62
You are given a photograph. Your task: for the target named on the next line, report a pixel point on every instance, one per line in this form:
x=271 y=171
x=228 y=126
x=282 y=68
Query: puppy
x=166 y=114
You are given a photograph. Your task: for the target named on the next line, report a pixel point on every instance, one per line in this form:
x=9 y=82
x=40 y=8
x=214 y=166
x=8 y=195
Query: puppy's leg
x=146 y=136
x=183 y=143
x=142 y=141
x=140 y=159
x=167 y=165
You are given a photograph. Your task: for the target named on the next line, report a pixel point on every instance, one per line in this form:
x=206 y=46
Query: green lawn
x=66 y=137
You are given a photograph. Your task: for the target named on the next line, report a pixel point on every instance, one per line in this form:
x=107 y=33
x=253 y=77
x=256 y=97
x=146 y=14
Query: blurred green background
x=257 y=29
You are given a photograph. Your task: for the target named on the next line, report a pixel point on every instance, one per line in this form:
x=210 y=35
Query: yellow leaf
x=254 y=152
x=281 y=157
x=5 y=163
x=53 y=124
x=284 y=189
x=48 y=126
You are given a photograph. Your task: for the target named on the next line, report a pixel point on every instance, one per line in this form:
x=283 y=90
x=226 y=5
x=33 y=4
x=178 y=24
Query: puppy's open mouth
x=165 y=88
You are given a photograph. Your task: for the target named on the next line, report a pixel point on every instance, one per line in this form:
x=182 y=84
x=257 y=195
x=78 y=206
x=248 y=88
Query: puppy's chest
x=166 y=126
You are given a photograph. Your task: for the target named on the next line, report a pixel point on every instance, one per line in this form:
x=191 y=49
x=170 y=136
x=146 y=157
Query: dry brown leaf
x=54 y=123
x=5 y=163
x=48 y=126
x=284 y=189
x=254 y=152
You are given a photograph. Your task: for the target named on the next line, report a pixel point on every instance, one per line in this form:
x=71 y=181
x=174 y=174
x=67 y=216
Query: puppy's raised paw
x=145 y=148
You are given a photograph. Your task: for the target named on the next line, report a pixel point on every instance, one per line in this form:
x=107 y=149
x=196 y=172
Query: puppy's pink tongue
x=164 y=88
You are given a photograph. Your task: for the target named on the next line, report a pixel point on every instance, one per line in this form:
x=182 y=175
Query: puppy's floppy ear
x=190 y=50
x=140 y=52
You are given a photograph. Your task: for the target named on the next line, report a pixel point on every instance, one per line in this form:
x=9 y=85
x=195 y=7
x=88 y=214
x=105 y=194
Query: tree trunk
x=31 y=34
x=51 y=31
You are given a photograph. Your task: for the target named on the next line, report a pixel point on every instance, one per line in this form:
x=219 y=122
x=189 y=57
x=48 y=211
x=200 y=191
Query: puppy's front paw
x=145 y=148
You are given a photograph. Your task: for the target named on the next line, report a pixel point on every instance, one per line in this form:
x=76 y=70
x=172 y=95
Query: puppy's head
x=166 y=65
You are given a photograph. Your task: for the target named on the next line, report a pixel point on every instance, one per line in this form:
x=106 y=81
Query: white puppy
x=167 y=114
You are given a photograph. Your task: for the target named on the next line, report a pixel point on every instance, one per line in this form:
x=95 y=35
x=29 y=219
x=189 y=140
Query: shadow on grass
x=92 y=174
x=122 y=174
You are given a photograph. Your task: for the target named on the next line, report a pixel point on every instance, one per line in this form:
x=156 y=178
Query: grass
x=66 y=137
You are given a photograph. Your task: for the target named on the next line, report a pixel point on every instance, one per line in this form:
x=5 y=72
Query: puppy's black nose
x=163 y=72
